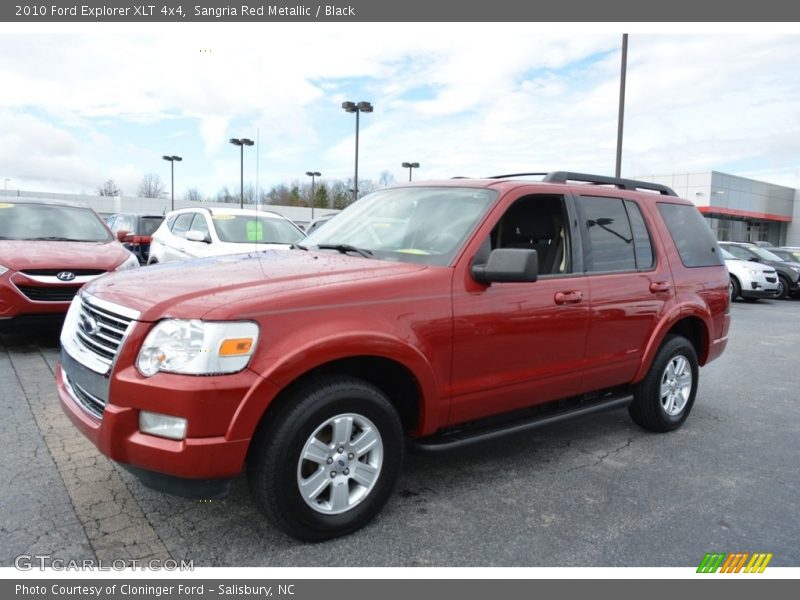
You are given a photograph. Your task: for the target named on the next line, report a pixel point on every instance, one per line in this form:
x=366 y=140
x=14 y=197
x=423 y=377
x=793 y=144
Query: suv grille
x=54 y=272
x=94 y=405
x=49 y=294
x=100 y=330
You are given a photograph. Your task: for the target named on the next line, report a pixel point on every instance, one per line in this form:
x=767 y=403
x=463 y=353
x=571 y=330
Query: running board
x=457 y=439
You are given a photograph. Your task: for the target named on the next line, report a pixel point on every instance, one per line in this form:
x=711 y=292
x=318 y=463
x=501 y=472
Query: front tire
x=783 y=288
x=664 y=398
x=734 y=288
x=326 y=462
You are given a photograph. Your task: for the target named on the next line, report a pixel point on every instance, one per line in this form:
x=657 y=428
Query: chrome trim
x=53 y=280
x=112 y=307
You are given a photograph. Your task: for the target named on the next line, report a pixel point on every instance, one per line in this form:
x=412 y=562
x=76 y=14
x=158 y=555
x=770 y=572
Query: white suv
x=750 y=280
x=201 y=232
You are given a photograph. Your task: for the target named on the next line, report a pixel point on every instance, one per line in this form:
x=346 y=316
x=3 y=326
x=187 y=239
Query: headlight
x=3 y=269
x=753 y=272
x=130 y=263
x=193 y=347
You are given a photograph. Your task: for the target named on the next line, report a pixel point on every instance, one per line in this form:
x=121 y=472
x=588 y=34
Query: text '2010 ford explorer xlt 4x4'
x=439 y=313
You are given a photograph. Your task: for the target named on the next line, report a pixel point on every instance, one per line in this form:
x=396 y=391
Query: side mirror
x=508 y=265
x=197 y=236
x=753 y=259
x=121 y=235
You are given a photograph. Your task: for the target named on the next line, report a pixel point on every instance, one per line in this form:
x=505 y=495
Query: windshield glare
x=415 y=224
x=20 y=221
x=247 y=229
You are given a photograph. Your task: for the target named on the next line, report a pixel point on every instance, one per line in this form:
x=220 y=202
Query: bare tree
x=109 y=188
x=386 y=179
x=224 y=195
x=193 y=195
x=151 y=186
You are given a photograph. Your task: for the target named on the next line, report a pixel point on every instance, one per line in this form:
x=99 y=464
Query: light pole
x=172 y=160
x=313 y=174
x=241 y=143
x=621 y=117
x=409 y=166
x=5 y=184
x=352 y=107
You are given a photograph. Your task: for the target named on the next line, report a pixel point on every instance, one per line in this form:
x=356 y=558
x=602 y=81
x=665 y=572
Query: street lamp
x=241 y=143
x=172 y=160
x=352 y=107
x=313 y=174
x=409 y=166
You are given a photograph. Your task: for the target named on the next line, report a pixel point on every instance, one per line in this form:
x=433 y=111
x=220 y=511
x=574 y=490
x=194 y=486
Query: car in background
x=203 y=232
x=789 y=254
x=788 y=273
x=134 y=231
x=48 y=250
x=750 y=280
x=318 y=222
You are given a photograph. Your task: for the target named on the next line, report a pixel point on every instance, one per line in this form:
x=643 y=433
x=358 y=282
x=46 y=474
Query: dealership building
x=740 y=209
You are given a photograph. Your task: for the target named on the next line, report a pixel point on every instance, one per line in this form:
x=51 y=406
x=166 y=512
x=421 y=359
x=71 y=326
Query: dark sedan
x=135 y=231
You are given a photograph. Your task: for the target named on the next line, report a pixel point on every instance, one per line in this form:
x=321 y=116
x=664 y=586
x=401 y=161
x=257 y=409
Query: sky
x=80 y=105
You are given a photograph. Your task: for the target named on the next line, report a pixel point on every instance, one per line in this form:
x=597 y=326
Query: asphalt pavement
x=594 y=492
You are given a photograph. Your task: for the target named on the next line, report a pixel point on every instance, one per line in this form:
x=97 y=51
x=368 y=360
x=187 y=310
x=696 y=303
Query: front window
x=21 y=221
x=425 y=225
x=247 y=229
x=765 y=254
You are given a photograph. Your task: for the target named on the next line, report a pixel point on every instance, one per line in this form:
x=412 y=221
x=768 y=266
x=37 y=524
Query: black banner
x=150 y=11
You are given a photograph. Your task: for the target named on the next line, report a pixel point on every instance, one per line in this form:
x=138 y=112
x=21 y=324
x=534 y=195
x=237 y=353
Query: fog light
x=164 y=426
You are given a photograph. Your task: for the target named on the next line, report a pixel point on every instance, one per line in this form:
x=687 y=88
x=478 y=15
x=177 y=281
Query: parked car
x=749 y=279
x=134 y=231
x=202 y=232
x=446 y=312
x=788 y=273
x=787 y=254
x=48 y=250
x=317 y=223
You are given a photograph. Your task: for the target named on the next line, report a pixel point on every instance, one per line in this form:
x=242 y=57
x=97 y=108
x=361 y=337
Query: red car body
x=31 y=285
x=459 y=349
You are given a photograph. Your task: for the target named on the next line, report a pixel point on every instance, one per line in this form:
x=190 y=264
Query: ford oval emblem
x=65 y=276
x=89 y=324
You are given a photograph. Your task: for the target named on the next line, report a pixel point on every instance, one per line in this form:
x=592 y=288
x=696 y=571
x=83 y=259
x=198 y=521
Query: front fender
x=306 y=358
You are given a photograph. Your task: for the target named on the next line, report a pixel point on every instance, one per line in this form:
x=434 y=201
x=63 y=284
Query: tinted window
x=21 y=221
x=642 y=245
x=148 y=225
x=181 y=224
x=610 y=237
x=694 y=239
x=740 y=252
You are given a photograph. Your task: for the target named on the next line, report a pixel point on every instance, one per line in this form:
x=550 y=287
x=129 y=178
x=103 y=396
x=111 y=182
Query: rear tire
x=664 y=398
x=325 y=464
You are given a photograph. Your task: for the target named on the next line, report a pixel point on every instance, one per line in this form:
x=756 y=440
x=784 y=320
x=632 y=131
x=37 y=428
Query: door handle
x=659 y=286
x=568 y=297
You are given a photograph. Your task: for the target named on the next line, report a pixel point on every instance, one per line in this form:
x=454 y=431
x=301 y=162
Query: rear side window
x=642 y=246
x=610 y=245
x=693 y=238
x=148 y=225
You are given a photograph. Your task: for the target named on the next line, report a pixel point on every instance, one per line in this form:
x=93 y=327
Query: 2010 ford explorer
x=437 y=314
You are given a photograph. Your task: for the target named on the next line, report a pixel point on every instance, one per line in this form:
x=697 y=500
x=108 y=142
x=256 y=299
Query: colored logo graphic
x=739 y=562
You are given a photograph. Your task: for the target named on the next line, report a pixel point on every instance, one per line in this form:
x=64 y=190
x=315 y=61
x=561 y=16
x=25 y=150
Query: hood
x=281 y=278
x=748 y=264
x=25 y=255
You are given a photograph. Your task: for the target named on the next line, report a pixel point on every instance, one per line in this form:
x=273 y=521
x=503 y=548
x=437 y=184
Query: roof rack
x=625 y=184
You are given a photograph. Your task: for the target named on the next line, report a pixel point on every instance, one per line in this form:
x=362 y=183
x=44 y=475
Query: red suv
x=438 y=314
x=48 y=250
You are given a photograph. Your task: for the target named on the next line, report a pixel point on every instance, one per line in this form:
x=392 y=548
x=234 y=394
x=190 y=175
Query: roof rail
x=625 y=184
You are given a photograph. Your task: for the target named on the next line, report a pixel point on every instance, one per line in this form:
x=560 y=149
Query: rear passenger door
x=629 y=288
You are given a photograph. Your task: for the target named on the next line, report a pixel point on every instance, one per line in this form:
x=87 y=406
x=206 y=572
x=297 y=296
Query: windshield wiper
x=345 y=248
x=295 y=246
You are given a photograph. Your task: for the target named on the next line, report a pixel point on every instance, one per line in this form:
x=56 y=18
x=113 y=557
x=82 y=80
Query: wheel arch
x=689 y=325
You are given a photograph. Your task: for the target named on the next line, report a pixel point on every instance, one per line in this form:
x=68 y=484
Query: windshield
x=247 y=229
x=415 y=224
x=727 y=255
x=21 y=221
x=765 y=254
